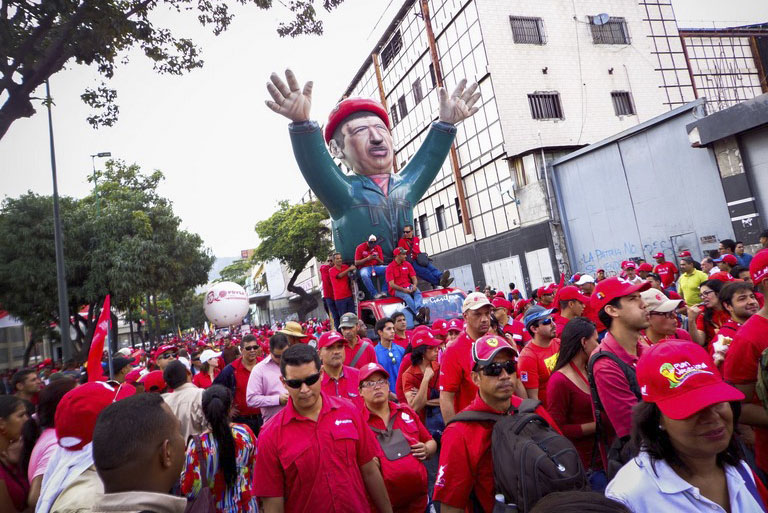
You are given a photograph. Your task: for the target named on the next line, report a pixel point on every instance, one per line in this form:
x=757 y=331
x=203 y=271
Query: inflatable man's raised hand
x=372 y=200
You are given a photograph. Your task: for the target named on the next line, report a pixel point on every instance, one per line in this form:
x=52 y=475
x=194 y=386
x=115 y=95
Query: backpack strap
x=474 y=416
x=203 y=461
x=359 y=353
x=749 y=482
x=528 y=406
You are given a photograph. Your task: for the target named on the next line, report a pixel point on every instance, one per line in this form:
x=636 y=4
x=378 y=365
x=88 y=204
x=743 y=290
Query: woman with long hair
x=706 y=318
x=688 y=457
x=568 y=397
x=209 y=369
x=39 y=435
x=14 y=486
x=229 y=450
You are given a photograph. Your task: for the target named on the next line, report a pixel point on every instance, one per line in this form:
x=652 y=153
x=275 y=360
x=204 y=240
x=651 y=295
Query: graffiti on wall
x=610 y=258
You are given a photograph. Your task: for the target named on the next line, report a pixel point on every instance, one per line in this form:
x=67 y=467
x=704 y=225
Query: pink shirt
x=41 y=453
x=264 y=388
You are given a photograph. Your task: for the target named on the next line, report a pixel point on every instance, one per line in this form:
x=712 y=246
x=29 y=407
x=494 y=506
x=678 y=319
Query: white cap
x=186 y=363
x=126 y=351
x=585 y=278
x=372 y=238
x=208 y=354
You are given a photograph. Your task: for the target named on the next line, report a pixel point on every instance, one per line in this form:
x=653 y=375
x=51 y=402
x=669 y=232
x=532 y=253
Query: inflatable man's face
x=358 y=134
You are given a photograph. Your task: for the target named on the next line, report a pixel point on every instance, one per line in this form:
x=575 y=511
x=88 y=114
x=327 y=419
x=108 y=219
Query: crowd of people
x=642 y=392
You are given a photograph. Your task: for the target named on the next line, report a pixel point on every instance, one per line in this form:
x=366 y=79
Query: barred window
x=393 y=114
x=391 y=50
x=458 y=210
x=622 y=103
x=440 y=216
x=613 y=32
x=423 y=226
x=417 y=94
x=527 y=30
x=403 y=106
x=432 y=76
x=545 y=105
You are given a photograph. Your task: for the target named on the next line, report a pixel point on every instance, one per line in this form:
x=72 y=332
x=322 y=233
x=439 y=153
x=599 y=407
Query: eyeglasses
x=494 y=369
x=406 y=231
x=166 y=356
x=375 y=384
x=250 y=348
x=545 y=322
x=309 y=380
x=668 y=315
x=705 y=293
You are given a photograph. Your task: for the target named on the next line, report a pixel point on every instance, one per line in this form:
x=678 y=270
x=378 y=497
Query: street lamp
x=101 y=154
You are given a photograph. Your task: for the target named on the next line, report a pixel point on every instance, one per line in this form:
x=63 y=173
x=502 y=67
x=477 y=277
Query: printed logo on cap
x=492 y=342
x=678 y=373
x=600 y=295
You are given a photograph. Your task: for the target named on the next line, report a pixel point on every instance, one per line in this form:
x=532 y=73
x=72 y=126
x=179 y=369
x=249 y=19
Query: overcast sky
x=226 y=157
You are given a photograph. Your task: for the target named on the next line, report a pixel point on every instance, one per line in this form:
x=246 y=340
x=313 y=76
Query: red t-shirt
x=455 y=372
x=591 y=314
x=740 y=368
x=680 y=334
x=535 y=366
x=363 y=250
x=412 y=379
x=466 y=463
x=401 y=341
x=340 y=284
x=203 y=380
x=518 y=332
x=241 y=385
x=347 y=386
x=399 y=391
x=666 y=272
x=316 y=463
x=410 y=245
x=326 y=279
x=571 y=407
x=401 y=274
x=368 y=356
x=710 y=329
x=406 y=477
x=560 y=323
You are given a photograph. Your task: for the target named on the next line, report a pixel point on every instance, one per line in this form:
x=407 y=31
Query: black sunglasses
x=494 y=369
x=406 y=231
x=545 y=322
x=309 y=380
x=250 y=348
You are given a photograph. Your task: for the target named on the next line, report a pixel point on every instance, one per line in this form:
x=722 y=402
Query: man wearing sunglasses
x=466 y=465
x=429 y=273
x=235 y=376
x=538 y=358
x=317 y=453
x=339 y=380
x=165 y=355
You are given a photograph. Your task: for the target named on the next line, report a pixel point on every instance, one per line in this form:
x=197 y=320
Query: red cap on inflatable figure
x=349 y=106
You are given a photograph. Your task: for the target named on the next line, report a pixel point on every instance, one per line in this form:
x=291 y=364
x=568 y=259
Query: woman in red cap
x=689 y=460
x=420 y=378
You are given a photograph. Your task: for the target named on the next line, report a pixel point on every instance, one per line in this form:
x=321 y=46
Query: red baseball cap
x=659 y=255
x=370 y=369
x=500 y=302
x=571 y=292
x=758 y=267
x=728 y=259
x=398 y=250
x=629 y=264
x=681 y=378
x=485 y=349
x=165 y=348
x=438 y=327
x=685 y=253
x=645 y=266
x=153 y=381
x=349 y=106
x=329 y=338
x=549 y=289
x=80 y=407
x=611 y=288
x=721 y=276
x=133 y=376
x=499 y=294
x=455 y=325
x=424 y=338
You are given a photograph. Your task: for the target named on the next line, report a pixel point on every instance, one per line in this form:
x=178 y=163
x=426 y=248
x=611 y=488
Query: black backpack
x=530 y=459
x=620 y=451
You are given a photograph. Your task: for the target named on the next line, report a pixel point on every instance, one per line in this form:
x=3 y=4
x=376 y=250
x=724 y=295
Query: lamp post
x=61 y=277
x=101 y=154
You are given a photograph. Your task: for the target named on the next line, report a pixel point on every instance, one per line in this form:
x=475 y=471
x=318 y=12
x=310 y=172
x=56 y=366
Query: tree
x=39 y=38
x=294 y=235
x=236 y=272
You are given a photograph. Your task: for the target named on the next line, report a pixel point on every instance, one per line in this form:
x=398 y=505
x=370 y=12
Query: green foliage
x=39 y=38
x=236 y=272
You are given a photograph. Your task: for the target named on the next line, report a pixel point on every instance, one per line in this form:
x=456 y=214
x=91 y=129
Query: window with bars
x=458 y=210
x=417 y=94
x=613 y=32
x=545 y=105
x=622 y=103
x=432 y=76
x=391 y=50
x=527 y=30
x=393 y=114
x=403 y=105
x=423 y=226
x=440 y=216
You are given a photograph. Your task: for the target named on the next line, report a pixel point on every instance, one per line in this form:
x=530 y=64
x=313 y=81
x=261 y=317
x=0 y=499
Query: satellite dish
x=601 y=19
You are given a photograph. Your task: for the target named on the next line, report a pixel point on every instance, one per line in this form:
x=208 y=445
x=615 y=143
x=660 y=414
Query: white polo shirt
x=643 y=491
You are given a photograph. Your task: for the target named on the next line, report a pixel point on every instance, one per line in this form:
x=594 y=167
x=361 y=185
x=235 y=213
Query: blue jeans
x=365 y=275
x=333 y=313
x=346 y=305
x=430 y=273
x=412 y=301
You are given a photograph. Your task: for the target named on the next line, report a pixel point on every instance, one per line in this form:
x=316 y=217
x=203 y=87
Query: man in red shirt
x=318 y=451
x=515 y=329
x=587 y=285
x=538 y=358
x=546 y=295
x=342 y=292
x=466 y=465
x=328 y=302
x=410 y=243
x=739 y=300
x=401 y=325
x=235 y=377
x=339 y=380
x=401 y=280
x=667 y=271
x=370 y=260
x=743 y=357
x=358 y=351
x=622 y=310
x=571 y=303
x=456 y=386
x=643 y=270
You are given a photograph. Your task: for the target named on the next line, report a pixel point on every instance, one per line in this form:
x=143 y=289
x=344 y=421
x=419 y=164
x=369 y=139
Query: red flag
x=562 y=281
x=95 y=373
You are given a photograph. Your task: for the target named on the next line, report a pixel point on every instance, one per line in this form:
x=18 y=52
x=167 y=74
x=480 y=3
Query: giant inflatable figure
x=372 y=200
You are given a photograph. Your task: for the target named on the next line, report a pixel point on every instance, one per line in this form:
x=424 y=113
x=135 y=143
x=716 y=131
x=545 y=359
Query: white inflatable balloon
x=226 y=304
